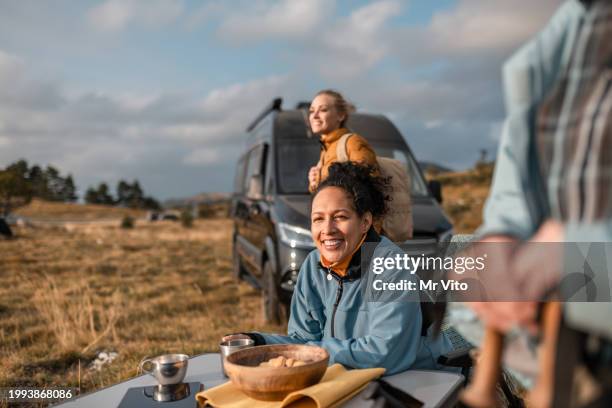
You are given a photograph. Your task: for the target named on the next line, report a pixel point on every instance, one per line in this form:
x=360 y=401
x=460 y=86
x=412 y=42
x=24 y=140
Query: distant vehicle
x=153 y=216
x=168 y=215
x=5 y=230
x=271 y=203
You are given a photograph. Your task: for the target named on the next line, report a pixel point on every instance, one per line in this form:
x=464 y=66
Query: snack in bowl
x=274 y=382
x=282 y=361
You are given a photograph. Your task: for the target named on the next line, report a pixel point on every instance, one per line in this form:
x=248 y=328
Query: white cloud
x=496 y=130
x=213 y=9
x=160 y=136
x=476 y=25
x=484 y=30
x=10 y=65
x=136 y=102
x=433 y=124
x=207 y=156
x=110 y=16
x=235 y=97
x=115 y=15
x=193 y=133
x=105 y=136
x=259 y=20
x=355 y=44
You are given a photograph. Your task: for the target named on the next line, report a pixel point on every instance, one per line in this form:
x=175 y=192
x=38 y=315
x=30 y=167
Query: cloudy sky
x=161 y=90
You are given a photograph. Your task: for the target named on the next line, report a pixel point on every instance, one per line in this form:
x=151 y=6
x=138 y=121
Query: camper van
x=271 y=203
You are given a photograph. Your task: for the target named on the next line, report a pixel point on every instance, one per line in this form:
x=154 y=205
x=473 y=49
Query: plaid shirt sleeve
x=517 y=203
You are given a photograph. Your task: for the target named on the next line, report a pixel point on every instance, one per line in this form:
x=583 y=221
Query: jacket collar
x=333 y=136
x=353 y=270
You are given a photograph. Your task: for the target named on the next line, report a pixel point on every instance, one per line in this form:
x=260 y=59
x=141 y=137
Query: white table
x=435 y=388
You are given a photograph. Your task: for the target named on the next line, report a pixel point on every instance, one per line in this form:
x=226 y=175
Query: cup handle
x=141 y=366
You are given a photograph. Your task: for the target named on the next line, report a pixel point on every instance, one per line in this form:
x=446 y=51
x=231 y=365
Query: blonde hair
x=340 y=103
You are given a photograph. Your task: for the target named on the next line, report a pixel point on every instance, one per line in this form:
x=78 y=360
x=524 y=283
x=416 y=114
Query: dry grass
x=45 y=210
x=464 y=195
x=69 y=293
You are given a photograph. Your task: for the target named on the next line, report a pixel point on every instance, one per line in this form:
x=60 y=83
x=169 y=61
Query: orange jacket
x=357 y=149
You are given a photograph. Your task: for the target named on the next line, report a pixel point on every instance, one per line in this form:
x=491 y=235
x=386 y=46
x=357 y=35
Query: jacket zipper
x=336 y=303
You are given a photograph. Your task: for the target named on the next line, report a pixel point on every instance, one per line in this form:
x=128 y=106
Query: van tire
x=270 y=302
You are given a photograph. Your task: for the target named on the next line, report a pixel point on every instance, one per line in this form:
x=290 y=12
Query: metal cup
x=168 y=369
x=231 y=346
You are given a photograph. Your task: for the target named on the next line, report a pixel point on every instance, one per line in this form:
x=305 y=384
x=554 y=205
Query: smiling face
x=336 y=227
x=323 y=115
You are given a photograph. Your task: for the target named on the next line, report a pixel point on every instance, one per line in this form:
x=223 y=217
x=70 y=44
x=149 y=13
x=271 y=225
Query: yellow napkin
x=337 y=386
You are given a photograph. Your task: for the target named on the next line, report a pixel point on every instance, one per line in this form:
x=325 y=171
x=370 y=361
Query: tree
x=21 y=183
x=132 y=196
x=20 y=168
x=151 y=204
x=123 y=193
x=68 y=192
x=100 y=195
x=15 y=190
x=137 y=197
x=91 y=196
x=55 y=184
x=38 y=180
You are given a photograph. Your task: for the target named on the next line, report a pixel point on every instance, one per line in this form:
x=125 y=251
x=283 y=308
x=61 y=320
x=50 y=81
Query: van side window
x=255 y=164
x=239 y=176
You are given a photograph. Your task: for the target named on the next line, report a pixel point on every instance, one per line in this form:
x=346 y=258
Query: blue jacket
x=364 y=333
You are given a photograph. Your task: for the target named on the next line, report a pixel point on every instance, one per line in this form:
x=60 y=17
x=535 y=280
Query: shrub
x=127 y=222
x=186 y=219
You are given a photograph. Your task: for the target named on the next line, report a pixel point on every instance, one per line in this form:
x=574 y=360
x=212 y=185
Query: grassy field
x=51 y=211
x=464 y=195
x=69 y=293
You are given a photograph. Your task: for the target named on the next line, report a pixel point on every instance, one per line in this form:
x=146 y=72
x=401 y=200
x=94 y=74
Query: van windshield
x=295 y=157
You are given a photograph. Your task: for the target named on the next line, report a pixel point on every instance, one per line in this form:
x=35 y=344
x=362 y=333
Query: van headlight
x=295 y=237
x=446 y=236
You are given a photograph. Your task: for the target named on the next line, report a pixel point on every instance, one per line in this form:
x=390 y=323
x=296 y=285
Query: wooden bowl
x=273 y=384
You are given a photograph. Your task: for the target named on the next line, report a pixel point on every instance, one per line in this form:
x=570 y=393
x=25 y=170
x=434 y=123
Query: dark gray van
x=271 y=203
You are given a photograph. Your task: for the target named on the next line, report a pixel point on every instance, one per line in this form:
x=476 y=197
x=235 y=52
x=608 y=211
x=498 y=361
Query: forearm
x=270 y=338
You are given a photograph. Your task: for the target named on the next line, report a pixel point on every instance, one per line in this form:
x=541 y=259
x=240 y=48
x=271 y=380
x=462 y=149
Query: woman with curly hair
x=333 y=306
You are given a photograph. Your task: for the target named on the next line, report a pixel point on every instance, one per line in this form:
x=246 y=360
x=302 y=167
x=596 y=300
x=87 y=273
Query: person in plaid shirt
x=553 y=176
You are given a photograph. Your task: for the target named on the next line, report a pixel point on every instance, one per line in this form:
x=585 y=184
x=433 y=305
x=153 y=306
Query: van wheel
x=270 y=302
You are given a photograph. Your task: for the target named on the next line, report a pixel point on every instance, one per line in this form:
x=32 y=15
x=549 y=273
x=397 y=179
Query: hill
x=433 y=168
x=464 y=194
x=202 y=198
x=39 y=210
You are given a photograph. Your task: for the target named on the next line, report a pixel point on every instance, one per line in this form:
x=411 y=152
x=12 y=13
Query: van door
x=259 y=214
x=252 y=232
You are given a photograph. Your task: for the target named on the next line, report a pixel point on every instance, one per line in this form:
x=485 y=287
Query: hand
x=504 y=316
x=493 y=281
x=499 y=287
x=533 y=269
x=314 y=176
x=236 y=336
x=538 y=262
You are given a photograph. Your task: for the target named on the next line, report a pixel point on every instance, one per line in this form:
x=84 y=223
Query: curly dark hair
x=368 y=191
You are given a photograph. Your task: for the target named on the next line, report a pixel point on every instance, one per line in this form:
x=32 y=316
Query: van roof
x=291 y=124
